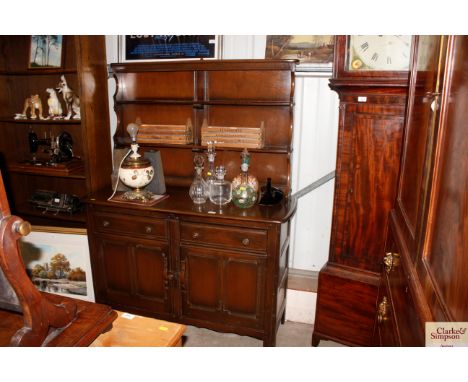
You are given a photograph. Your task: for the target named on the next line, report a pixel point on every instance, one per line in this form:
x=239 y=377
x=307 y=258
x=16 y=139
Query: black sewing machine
x=60 y=148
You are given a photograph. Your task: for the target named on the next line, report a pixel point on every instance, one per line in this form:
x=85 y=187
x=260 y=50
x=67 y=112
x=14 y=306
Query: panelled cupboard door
x=444 y=263
x=231 y=287
x=133 y=274
x=421 y=129
x=366 y=183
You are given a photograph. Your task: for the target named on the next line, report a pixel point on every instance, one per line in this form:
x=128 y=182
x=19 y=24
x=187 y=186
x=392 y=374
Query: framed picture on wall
x=315 y=52
x=168 y=47
x=57 y=261
x=46 y=51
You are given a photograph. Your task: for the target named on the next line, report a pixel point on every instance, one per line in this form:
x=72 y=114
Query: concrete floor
x=291 y=334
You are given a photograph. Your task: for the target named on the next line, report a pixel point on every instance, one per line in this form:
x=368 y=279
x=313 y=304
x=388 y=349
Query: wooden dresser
x=426 y=256
x=224 y=269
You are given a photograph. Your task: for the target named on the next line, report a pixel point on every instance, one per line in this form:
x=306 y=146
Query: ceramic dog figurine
x=55 y=108
x=33 y=103
x=72 y=101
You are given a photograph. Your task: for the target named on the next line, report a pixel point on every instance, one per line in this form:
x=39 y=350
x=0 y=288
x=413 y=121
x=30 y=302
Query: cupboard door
x=420 y=133
x=367 y=170
x=201 y=295
x=444 y=264
x=242 y=292
x=231 y=289
x=133 y=274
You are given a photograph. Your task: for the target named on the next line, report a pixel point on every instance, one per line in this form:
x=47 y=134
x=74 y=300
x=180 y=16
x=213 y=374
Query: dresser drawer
x=130 y=225
x=229 y=237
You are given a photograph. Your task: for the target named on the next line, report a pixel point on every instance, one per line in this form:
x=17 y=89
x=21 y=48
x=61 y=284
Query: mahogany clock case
x=371 y=124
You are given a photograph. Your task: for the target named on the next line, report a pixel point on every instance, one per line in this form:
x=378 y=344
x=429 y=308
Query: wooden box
x=227 y=136
x=166 y=134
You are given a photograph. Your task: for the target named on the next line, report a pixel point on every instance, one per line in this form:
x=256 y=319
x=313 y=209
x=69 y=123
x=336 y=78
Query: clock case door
x=361 y=77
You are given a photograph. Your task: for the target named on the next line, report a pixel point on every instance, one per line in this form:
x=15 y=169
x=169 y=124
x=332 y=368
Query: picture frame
x=57 y=260
x=46 y=52
x=314 y=52
x=153 y=48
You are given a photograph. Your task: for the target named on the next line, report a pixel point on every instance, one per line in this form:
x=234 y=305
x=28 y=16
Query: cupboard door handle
x=182 y=273
x=195 y=235
x=148 y=229
x=245 y=242
x=382 y=311
x=390 y=261
x=105 y=223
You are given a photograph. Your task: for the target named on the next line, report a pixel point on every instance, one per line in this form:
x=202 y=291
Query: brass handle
x=105 y=223
x=170 y=276
x=23 y=228
x=195 y=235
x=391 y=260
x=246 y=242
x=148 y=229
x=382 y=311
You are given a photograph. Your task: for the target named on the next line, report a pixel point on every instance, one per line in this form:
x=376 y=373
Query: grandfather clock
x=371 y=78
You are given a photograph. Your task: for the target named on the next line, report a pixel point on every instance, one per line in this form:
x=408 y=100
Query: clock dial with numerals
x=378 y=52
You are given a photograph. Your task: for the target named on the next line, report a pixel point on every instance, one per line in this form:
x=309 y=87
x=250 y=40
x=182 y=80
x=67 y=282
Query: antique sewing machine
x=59 y=148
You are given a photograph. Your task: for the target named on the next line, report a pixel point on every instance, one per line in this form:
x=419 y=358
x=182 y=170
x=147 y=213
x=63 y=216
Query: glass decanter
x=220 y=189
x=211 y=155
x=199 y=188
x=244 y=186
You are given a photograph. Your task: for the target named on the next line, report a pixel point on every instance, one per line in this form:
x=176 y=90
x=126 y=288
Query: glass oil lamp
x=136 y=171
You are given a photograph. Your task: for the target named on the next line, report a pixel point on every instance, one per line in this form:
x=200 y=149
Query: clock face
x=383 y=53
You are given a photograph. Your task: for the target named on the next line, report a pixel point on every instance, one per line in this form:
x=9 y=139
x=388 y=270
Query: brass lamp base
x=138 y=195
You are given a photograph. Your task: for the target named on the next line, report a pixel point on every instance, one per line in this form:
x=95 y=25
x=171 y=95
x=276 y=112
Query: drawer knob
x=391 y=260
x=105 y=223
x=382 y=313
x=195 y=235
x=245 y=242
x=148 y=229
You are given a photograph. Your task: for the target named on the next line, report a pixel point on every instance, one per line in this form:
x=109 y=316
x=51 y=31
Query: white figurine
x=72 y=101
x=55 y=108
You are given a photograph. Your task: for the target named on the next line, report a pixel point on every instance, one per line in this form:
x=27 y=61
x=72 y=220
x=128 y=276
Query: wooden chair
x=32 y=318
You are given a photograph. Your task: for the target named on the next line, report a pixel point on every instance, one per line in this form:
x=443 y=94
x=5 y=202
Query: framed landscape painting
x=46 y=51
x=312 y=51
x=57 y=261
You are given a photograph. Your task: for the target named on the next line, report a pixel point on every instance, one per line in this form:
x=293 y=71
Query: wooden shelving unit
x=85 y=69
x=230 y=93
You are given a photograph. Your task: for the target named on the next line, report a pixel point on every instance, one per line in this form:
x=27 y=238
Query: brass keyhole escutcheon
x=382 y=311
x=390 y=261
